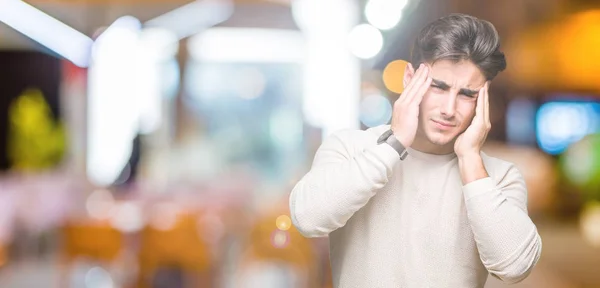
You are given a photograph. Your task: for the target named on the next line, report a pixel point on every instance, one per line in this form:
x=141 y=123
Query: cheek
x=466 y=112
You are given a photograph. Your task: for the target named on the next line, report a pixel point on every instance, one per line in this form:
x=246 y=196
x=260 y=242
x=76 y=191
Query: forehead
x=463 y=74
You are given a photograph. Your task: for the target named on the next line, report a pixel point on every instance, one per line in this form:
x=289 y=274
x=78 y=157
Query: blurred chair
x=177 y=249
x=97 y=241
x=277 y=254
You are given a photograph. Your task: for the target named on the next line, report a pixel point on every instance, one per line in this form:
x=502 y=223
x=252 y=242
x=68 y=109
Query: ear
x=409 y=72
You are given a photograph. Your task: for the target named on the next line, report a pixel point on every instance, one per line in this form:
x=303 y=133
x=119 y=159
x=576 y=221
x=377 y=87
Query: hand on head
x=405 y=114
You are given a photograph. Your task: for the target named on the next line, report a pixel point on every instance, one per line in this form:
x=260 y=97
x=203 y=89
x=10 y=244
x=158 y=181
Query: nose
x=448 y=105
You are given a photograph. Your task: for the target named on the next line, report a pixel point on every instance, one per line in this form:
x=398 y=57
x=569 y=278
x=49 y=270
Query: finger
x=416 y=84
x=418 y=96
x=486 y=100
x=421 y=86
x=411 y=84
x=479 y=110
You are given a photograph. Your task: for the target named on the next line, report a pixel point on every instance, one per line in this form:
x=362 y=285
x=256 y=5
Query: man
x=416 y=203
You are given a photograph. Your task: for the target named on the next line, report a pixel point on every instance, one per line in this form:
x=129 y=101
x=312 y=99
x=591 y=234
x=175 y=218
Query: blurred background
x=154 y=143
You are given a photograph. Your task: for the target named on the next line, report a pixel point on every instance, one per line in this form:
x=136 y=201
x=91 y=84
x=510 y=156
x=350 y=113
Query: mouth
x=443 y=125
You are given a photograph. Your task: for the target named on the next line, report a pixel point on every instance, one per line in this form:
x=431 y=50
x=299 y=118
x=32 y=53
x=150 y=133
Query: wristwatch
x=389 y=138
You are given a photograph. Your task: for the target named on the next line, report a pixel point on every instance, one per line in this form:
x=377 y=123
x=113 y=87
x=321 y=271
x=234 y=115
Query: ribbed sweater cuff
x=386 y=154
x=478 y=187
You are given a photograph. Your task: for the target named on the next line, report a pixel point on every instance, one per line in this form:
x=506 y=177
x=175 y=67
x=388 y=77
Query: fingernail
x=421 y=66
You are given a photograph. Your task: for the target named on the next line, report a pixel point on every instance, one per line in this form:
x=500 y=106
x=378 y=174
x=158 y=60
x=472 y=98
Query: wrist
x=402 y=139
x=471 y=168
x=469 y=157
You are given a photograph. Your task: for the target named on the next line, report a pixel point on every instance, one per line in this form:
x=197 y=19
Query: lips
x=443 y=125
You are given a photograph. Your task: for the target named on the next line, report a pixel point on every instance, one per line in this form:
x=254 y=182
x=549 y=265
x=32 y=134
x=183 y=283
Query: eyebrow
x=444 y=86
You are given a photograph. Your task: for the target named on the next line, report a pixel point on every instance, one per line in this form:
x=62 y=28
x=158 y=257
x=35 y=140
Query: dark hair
x=460 y=37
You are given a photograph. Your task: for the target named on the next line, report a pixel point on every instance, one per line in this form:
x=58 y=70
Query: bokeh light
x=283 y=222
x=164 y=216
x=393 y=76
x=316 y=16
x=128 y=217
x=365 y=41
x=560 y=124
x=581 y=165
x=384 y=14
x=375 y=110
x=98 y=278
x=590 y=223
x=211 y=227
x=280 y=239
x=100 y=204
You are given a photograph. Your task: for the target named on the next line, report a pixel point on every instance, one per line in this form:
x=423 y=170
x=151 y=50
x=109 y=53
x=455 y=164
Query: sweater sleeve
x=508 y=242
x=341 y=180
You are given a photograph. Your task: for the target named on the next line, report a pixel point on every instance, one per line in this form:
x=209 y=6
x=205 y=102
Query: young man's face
x=449 y=105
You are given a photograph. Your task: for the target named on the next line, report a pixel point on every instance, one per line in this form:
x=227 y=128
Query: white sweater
x=413 y=223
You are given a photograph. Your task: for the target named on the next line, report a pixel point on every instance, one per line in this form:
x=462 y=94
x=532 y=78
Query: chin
x=441 y=139
x=440 y=142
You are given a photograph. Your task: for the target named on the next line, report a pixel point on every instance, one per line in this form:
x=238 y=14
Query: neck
x=422 y=144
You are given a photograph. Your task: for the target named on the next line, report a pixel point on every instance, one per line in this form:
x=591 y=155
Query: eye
x=471 y=96
x=437 y=88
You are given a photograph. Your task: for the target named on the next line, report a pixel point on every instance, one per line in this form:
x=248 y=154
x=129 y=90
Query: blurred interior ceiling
x=87 y=16
x=538 y=35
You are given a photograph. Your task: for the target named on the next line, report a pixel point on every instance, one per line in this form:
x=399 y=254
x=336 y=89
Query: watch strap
x=389 y=138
